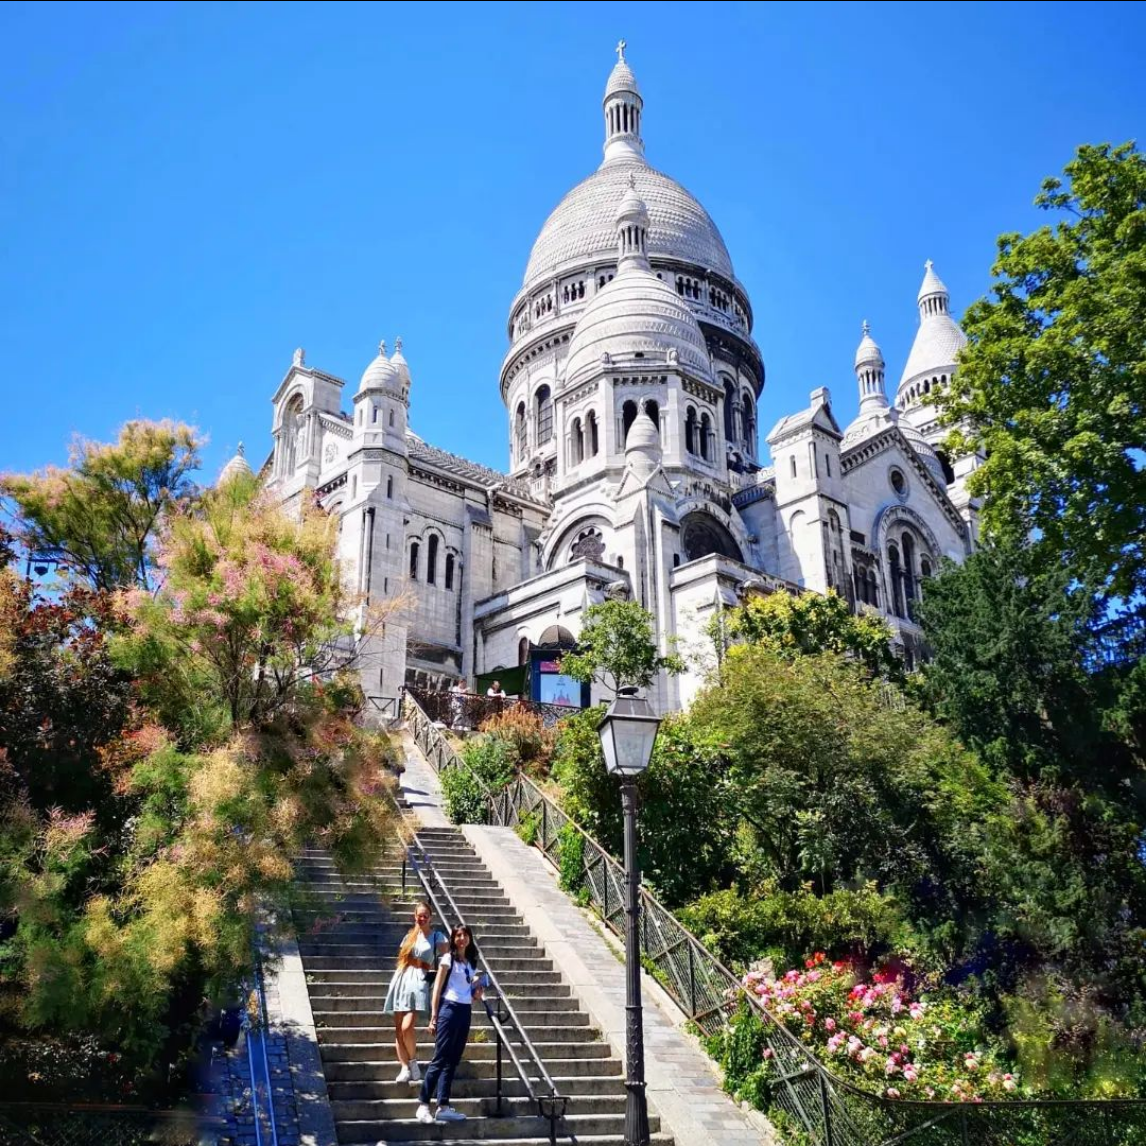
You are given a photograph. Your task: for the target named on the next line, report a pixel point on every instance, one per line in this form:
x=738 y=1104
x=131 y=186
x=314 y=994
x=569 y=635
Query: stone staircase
x=348 y=967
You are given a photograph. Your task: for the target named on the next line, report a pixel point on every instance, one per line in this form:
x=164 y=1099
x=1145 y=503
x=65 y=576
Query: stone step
x=574 y=1126
x=522 y=1004
x=474 y=1087
x=484 y=1051
x=512 y=981
x=657 y=1139
x=333 y=960
x=574 y=1071
x=351 y=1020
x=392 y=1109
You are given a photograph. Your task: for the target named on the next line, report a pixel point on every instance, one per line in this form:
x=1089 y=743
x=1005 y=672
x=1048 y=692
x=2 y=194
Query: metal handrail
x=819 y=1108
x=263 y=1028
x=557 y=1103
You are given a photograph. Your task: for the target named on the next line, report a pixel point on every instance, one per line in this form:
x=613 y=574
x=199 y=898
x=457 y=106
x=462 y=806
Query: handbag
x=432 y=973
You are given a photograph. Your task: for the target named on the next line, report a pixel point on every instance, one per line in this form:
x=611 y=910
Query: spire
x=623 y=106
x=933 y=297
x=643 y=445
x=632 y=231
x=869 y=366
x=238 y=466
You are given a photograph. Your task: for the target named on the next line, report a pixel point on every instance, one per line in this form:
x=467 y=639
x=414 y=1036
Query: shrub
x=525 y=732
x=528 y=827
x=464 y=797
x=571 y=861
x=492 y=760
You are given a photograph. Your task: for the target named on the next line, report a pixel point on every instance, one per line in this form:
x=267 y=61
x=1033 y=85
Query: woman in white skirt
x=409 y=994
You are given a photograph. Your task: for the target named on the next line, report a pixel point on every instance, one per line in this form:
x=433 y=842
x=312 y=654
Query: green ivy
x=528 y=828
x=571 y=862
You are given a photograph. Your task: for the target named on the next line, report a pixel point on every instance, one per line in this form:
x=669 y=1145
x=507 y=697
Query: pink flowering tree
x=252 y=613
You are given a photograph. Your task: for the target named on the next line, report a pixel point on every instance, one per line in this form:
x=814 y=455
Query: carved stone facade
x=631 y=386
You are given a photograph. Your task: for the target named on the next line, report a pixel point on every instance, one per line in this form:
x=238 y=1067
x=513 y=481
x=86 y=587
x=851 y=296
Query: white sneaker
x=415 y=1071
x=424 y=1114
x=403 y=1074
x=449 y=1114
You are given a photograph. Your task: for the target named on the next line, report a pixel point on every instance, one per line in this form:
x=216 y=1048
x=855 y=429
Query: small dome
x=237 y=466
x=637 y=315
x=621 y=78
x=381 y=374
x=643 y=436
x=932 y=283
x=868 y=352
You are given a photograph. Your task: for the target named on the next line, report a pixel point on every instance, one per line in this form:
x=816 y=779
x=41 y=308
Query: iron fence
x=466 y=712
x=828 y=1110
x=49 y=1124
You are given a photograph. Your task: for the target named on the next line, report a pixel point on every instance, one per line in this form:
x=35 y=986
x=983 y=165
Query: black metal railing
x=551 y=1104
x=829 y=1110
x=256 y=1028
x=52 y=1124
x=466 y=712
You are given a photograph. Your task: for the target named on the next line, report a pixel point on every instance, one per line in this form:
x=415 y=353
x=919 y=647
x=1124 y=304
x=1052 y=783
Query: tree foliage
x=810 y=623
x=101 y=512
x=616 y=648
x=1052 y=384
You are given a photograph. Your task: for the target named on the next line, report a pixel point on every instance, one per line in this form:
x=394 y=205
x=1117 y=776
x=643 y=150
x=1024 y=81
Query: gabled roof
x=818 y=415
x=424 y=454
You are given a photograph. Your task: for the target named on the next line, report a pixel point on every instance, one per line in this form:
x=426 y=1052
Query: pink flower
x=830 y=1024
x=890 y=1067
x=767 y=1052
x=910 y=1073
x=1008 y=1084
x=916 y=1010
x=883 y=1041
x=892 y=1092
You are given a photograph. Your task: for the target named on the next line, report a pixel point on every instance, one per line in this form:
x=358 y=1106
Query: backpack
x=435 y=938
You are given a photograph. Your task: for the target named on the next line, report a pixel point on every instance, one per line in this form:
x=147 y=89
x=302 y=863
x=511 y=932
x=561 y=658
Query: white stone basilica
x=632 y=385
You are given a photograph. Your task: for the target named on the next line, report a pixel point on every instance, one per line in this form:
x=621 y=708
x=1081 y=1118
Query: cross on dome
x=620 y=49
x=382 y=347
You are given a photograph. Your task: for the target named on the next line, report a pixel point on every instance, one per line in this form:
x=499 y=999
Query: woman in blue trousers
x=457 y=987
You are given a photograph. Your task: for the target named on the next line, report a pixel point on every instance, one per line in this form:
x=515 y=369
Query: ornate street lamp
x=628 y=732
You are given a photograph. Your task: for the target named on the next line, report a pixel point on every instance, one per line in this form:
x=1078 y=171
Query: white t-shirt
x=459 y=986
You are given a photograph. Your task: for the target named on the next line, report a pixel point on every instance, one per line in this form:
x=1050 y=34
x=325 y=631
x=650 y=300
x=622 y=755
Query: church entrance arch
x=701 y=535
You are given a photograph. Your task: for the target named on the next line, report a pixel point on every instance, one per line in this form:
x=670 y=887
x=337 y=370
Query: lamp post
x=628 y=732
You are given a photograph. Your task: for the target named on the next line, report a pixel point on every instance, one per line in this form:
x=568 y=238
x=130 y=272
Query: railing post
x=691 y=982
x=404 y=861
x=544 y=823
x=499 y=1045
x=826 y=1108
x=963 y=1127
x=605 y=881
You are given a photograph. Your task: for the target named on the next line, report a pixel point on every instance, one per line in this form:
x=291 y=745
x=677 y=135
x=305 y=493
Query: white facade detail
x=631 y=384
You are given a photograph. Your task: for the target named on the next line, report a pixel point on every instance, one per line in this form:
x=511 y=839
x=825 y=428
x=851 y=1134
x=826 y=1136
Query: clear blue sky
x=189 y=191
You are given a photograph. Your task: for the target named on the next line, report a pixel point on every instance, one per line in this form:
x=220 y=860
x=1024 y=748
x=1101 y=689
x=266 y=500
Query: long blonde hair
x=405 y=952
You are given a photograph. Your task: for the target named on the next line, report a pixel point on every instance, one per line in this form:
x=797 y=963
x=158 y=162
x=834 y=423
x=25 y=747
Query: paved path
x=683 y=1085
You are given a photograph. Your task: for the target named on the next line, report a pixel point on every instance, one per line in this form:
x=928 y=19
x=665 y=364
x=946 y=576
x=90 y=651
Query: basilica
x=631 y=387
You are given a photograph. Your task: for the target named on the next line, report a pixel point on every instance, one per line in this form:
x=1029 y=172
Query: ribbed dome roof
x=381 y=374
x=868 y=351
x=583 y=225
x=937 y=343
x=621 y=79
x=236 y=466
x=924 y=449
x=637 y=314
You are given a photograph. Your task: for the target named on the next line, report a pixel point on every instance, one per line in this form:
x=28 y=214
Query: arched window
x=925 y=566
x=705 y=436
x=291 y=436
x=628 y=417
x=748 y=416
x=690 y=429
x=895 y=571
x=654 y=412
x=390 y=486
x=373 y=412
x=544 y=415
x=520 y=430
x=578 y=442
x=414 y=562
x=793 y=465
x=391 y=417
x=729 y=411
x=594 y=439
x=432 y=561
x=909 y=573
x=449 y=570
x=523 y=651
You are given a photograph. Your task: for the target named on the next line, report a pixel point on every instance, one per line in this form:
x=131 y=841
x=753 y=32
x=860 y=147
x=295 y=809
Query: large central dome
x=582 y=225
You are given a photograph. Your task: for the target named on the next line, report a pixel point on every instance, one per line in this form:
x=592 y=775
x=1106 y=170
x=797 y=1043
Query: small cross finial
x=241 y=451
x=927 y=265
x=621 y=46
x=866 y=327
x=398 y=344
x=382 y=347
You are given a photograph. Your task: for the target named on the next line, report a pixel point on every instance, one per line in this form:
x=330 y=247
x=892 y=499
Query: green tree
x=616 y=648
x=1052 y=384
x=810 y=623
x=102 y=512
x=1010 y=635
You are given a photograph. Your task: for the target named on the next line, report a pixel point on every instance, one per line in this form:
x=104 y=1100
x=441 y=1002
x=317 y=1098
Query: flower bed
x=874 y=1034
